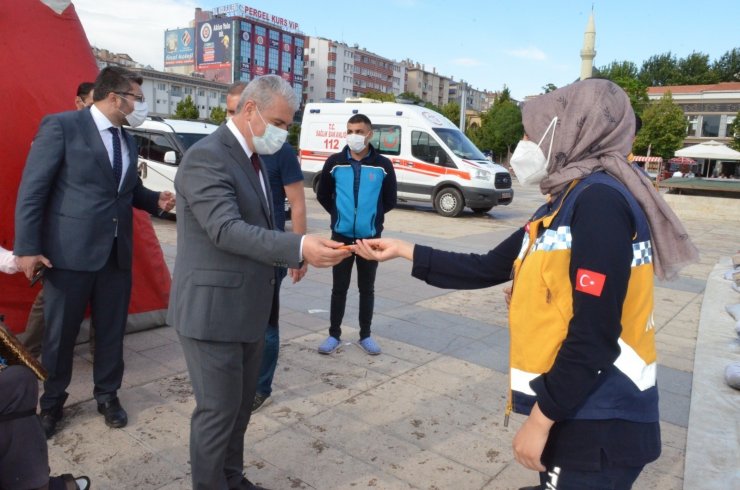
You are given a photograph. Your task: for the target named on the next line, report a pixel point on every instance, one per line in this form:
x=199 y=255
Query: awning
x=712 y=150
x=640 y=158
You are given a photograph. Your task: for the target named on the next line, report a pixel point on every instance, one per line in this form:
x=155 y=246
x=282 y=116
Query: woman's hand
x=382 y=249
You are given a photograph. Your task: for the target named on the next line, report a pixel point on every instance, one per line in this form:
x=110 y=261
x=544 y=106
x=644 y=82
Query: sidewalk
x=426 y=414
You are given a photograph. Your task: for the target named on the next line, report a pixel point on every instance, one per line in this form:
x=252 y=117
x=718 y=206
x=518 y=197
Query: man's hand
x=507 y=295
x=29 y=264
x=530 y=441
x=297 y=274
x=382 y=249
x=320 y=252
x=166 y=201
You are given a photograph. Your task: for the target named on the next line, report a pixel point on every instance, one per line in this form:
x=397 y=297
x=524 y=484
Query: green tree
x=452 y=112
x=734 y=133
x=218 y=115
x=663 y=128
x=695 y=70
x=619 y=70
x=377 y=95
x=549 y=88
x=186 y=109
x=636 y=91
x=410 y=96
x=294 y=135
x=659 y=70
x=727 y=67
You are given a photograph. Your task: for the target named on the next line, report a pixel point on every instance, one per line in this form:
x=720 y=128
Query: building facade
x=337 y=71
x=237 y=42
x=476 y=100
x=710 y=109
x=429 y=86
x=163 y=91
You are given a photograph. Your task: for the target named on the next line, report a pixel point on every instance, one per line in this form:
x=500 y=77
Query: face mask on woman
x=528 y=160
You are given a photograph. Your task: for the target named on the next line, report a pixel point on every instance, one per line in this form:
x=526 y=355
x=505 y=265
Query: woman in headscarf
x=582 y=358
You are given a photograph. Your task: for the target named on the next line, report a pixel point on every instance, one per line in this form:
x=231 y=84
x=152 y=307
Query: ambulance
x=434 y=161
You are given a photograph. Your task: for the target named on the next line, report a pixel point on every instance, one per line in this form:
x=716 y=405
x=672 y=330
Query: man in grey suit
x=73 y=217
x=227 y=248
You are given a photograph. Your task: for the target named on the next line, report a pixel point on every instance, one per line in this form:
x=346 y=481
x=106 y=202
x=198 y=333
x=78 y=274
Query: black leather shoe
x=50 y=417
x=247 y=485
x=115 y=415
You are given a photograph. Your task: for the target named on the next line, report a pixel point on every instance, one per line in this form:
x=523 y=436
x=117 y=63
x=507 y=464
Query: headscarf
x=594 y=132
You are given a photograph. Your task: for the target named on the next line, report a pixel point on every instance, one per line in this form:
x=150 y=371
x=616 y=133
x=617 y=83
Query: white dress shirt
x=8 y=265
x=103 y=123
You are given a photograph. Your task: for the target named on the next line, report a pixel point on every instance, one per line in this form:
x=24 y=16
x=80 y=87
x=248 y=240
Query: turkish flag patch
x=590 y=282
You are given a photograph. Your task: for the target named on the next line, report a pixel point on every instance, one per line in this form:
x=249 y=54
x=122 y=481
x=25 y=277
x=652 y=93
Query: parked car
x=162 y=144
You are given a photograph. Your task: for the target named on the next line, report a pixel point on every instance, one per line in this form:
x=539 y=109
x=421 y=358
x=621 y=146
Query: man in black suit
x=74 y=217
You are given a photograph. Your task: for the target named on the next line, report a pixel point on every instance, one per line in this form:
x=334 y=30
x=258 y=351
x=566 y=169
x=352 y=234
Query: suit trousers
x=66 y=296
x=224 y=379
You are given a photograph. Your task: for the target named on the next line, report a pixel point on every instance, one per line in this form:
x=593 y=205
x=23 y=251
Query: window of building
x=260 y=31
x=161 y=86
x=311 y=63
x=201 y=92
x=188 y=90
x=222 y=99
x=313 y=50
x=176 y=91
x=273 y=64
x=259 y=55
x=710 y=126
x=728 y=126
x=285 y=59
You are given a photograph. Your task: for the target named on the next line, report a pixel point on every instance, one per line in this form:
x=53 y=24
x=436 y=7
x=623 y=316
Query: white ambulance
x=434 y=161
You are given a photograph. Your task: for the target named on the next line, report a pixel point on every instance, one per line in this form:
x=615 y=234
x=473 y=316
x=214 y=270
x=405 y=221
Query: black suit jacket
x=69 y=207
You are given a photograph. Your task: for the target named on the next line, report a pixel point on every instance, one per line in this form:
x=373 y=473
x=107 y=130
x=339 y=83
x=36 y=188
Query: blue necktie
x=117 y=158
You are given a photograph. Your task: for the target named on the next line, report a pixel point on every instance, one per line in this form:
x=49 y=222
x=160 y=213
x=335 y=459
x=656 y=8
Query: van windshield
x=189 y=139
x=459 y=144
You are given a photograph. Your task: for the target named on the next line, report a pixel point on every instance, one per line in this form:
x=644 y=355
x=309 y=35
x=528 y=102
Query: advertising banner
x=179 y=47
x=214 y=47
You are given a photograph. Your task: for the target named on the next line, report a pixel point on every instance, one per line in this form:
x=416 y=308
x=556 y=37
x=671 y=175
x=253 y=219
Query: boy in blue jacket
x=357 y=187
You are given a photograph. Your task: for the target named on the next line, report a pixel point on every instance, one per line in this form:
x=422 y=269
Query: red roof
x=696 y=89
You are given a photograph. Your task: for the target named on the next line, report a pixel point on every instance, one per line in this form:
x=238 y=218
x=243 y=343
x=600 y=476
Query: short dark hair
x=237 y=88
x=84 y=89
x=114 y=79
x=360 y=118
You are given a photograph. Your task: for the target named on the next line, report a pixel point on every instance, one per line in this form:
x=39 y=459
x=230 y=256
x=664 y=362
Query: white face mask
x=356 y=142
x=528 y=160
x=138 y=115
x=271 y=141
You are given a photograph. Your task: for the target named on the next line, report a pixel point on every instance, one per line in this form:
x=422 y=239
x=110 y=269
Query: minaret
x=588 y=53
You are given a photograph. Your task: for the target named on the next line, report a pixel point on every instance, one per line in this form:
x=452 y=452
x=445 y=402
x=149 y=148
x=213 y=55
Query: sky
x=521 y=44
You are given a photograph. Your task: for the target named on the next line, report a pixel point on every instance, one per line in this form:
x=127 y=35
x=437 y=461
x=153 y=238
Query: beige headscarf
x=594 y=132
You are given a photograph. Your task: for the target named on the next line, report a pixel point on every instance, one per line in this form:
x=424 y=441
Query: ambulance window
x=426 y=148
x=386 y=139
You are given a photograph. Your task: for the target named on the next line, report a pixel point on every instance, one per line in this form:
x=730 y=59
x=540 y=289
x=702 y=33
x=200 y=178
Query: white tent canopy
x=712 y=150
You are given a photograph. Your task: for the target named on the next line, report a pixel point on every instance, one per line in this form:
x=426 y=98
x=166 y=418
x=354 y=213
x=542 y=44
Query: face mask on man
x=528 y=160
x=138 y=115
x=356 y=142
x=271 y=141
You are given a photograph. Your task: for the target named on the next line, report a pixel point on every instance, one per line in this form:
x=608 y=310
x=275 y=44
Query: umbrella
x=712 y=150
x=682 y=161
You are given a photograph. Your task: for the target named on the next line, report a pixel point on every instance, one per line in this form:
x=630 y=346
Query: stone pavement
x=426 y=414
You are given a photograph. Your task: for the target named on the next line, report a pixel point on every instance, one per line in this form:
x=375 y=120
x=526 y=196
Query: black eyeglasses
x=140 y=98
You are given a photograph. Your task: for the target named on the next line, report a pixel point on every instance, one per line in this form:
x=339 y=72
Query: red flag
x=589 y=282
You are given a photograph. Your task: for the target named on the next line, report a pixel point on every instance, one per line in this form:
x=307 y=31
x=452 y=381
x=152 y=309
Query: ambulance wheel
x=482 y=210
x=449 y=202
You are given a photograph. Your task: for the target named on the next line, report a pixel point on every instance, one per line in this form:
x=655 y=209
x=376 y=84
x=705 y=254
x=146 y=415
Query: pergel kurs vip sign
x=214 y=47
x=179 y=47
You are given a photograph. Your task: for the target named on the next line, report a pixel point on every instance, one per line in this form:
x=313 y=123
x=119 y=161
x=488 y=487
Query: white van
x=162 y=143
x=434 y=161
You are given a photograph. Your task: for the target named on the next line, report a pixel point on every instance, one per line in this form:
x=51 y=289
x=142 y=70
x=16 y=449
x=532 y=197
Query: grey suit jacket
x=227 y=248
x=69 y=207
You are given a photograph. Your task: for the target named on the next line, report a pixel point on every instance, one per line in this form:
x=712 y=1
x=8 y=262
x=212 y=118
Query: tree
x=659 y=70
x=663 y=128
x=218 y=115
x=186 y=109
x=294 y=134
x=411 y=97
x=549 y=88
x=452 y=112
x=636 y=91
x=377 y=95
x=734 y=133
x=619 y=70
x=695 y=70
x=727 y=67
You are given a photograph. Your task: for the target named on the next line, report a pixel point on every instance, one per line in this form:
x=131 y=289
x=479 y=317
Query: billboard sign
x=179 y=47
x=214 y=44
x=238 y=10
